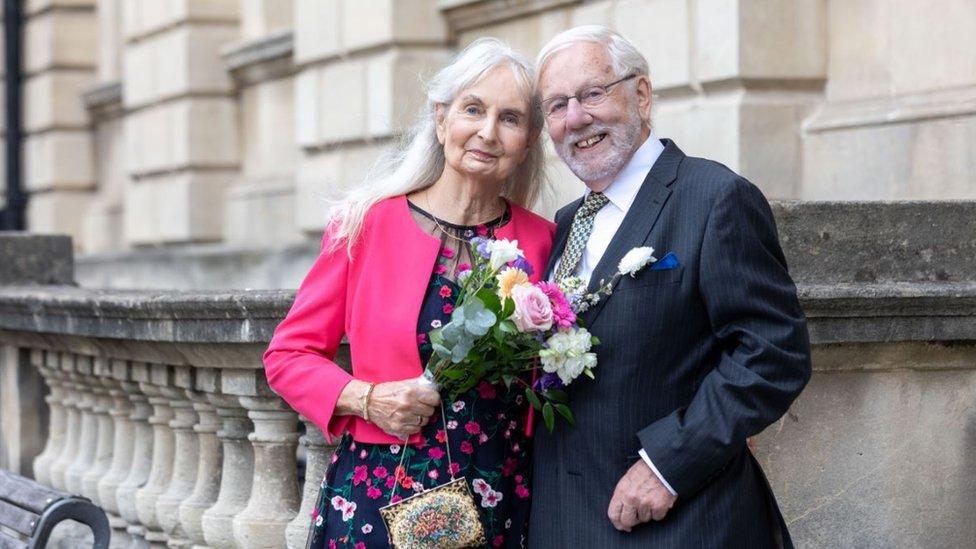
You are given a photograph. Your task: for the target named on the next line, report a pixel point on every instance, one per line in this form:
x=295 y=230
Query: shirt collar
x=623 y=190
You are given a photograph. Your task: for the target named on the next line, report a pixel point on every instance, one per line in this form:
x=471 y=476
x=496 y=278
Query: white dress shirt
x=621 y=194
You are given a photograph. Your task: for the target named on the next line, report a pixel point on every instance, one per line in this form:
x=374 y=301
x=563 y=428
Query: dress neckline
x=494 y=223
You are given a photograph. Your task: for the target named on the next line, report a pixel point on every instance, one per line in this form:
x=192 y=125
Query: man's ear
x=645 y=96
x=440 y=123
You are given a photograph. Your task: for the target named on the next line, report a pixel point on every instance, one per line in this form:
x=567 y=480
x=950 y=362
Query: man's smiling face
x=595 y=142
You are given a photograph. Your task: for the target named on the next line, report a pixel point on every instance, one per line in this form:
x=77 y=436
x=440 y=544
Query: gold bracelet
x=369 y=391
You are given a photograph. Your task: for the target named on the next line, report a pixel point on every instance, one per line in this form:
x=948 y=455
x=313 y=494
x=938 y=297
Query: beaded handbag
x=443 y=517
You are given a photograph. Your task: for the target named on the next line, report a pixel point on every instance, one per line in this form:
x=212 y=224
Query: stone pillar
x=103 y=385
x=274 y=497
x=142 y=453
x=123 y=446
x=186 y=455
x=180 y=131
x=316 y=463
x=207 y=486
x=88 y=433
x=65 y=363
x=236 y=471
x=161 y=470
x=59 y=64
x=57 y=434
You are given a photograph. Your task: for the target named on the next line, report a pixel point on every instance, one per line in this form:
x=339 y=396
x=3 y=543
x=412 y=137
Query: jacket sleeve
x=755 y=315
x=299 y=362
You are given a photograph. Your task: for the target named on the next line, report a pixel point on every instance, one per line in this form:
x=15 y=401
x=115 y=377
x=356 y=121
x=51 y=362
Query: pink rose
x=533 y=312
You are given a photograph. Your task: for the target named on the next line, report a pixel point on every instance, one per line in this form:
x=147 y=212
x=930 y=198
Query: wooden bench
x=29 y=512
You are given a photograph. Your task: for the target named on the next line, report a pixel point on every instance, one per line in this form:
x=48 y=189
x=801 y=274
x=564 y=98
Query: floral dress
x=485 y=428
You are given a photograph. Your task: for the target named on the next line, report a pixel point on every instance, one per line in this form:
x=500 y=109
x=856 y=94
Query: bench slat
x=17 y=519
x=26 y=493
x=7 y=542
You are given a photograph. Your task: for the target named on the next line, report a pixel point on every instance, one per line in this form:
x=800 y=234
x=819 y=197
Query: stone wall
x=231 y=122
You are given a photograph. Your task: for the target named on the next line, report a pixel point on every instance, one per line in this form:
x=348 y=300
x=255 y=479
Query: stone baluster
x=57 y=434
x=88 y=434
x=142 y=454
x=186 y=457
x=317 y=454
x=236 y=472
x=274 y=497
x=207 y=486
x=123 y=443
x=161 y=470
x=65 y=363
x=102 y=387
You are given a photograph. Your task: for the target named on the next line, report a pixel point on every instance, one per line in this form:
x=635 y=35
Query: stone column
x=122 y=446
x=161 y=470
x=207 y=486
x=57 y=430
x=65 y=363
x=142 y=453
x=317 y=454
x=274 y=497
x=236 y=471
x=186 y=455
x=88 y=433
x=103 y=385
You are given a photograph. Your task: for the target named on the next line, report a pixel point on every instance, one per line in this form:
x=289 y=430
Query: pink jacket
x=374 y=300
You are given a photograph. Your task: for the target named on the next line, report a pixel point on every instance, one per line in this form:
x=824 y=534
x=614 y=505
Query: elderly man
x=699 y=351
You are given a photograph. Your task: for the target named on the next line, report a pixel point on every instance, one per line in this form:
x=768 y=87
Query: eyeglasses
x=555 y=107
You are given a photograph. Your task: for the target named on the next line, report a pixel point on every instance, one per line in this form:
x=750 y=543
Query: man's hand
x=638 y=497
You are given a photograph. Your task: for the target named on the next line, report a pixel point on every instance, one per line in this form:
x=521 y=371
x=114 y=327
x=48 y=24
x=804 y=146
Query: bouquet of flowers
x=503 y=325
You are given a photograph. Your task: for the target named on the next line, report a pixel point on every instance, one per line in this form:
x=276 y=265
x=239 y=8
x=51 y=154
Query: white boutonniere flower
x=635 y=260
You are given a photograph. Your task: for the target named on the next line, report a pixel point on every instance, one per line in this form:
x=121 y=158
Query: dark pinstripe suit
x=693 y=361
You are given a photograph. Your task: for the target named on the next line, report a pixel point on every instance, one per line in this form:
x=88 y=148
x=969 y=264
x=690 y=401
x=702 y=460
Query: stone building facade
x=175 y=123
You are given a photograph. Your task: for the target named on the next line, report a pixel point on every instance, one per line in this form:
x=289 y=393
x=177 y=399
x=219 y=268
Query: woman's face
x=485 y=130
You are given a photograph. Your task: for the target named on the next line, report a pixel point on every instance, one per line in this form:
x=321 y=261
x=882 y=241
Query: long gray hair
x=418 y=159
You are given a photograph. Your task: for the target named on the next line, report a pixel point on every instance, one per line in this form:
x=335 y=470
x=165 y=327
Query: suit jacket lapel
x=562 y=234
x=639 y=221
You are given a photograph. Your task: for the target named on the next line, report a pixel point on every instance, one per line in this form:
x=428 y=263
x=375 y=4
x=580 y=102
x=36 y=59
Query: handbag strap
x=406 y=446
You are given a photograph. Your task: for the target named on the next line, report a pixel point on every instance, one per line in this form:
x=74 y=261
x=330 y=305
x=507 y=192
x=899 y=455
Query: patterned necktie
x=579 y=233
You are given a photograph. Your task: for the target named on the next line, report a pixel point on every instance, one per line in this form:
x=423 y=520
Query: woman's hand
x=402 y=408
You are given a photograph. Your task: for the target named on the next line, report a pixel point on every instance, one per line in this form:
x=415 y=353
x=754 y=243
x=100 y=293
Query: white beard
x=623 y=141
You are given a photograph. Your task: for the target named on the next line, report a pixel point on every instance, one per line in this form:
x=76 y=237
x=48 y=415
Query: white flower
x=348 y=511
x=367 y=528
x=503 y=251
x=568 y=354
x=457 y=406
x=480 y=486
x=490 y=498
x=435 y=324
x=338 y=502
x=452 y=424
x=394 y=449
x=318 y=520
x=635 y=260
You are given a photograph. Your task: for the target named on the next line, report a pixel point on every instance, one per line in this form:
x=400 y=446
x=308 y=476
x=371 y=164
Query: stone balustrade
x=160 y=413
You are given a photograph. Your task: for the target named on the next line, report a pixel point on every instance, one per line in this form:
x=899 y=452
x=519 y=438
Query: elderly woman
x=386 y=276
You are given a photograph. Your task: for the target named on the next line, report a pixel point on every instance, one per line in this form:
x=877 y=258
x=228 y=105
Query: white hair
x=418 y=159
x=624 y=57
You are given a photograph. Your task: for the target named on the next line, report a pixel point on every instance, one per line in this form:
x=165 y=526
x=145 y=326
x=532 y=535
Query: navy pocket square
x=669 y=261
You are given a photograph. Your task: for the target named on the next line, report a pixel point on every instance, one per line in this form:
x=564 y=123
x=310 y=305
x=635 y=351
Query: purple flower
x=482 y=245
x=522 y=263
x=548 y=381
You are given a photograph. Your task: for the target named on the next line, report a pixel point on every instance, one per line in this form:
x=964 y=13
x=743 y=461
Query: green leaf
x=507 y=326
x=533 y=398
x=451 y=373
x=566 y=413
x=507 y=309
x=549 y=417
x=557 y=395
x=490 y=299
x=594 y=340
